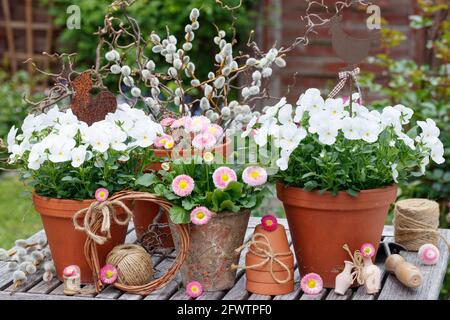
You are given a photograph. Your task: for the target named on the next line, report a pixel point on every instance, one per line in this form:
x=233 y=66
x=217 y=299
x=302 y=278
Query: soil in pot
x=320 y=224
x=212 y=250
x=66 y=243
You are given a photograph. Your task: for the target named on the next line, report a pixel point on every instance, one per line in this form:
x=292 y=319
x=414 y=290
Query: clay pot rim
x=66 y=201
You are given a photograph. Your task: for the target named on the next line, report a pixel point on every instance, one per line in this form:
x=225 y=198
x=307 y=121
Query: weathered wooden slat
x=167 y=291
x=35 y=296
x=433 y=277
x=259 y=297
x=32 y=280
x=238 y=292
x=180 y=295
x=294 y=295
x=45 y=287
x=319 y=296
x=334 y=296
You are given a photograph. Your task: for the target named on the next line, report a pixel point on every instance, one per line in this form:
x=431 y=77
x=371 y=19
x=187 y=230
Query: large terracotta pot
x=320 y=224
x=66 y=243
x=212 y=250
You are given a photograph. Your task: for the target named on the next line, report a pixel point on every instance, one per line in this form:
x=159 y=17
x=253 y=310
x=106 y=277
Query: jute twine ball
x=416 y=223
x=133 y=263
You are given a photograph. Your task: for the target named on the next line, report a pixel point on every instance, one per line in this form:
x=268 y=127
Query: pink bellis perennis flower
x=194 y=289
x=108 y=274
x=367 y=250
x=183 y=185
x=101 y=194
x=311 y=284
x=71 y=270
x=254 y=176
x=196 y=124
x=269 y=222
x=162 y=141
x=222 y=176
x=429 y=254
x=167 y=122
x=204 y=141
x=215 y=130
x=200 y=215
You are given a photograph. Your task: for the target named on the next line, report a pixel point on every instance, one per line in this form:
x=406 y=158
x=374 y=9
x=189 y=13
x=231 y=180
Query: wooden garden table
x=36 y=289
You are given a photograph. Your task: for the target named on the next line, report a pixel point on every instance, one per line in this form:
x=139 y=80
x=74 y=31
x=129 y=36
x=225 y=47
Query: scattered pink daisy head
x=204 y=141
x=269 y=222
x=194 y=289
x=312 y=284
x=254 y=176
x=222 y=176
x=215 y=130
x=161 y=141
x=429 y=254
x=167 y=122
x=170 y=142
x=101 y=194
x=178 y=123
x=367 y=250
x=200 y=215
x=183 y=185
x=108 y=274
x=196 y=124
x=71 y=270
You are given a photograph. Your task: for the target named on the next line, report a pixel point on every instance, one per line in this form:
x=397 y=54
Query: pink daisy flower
x=178 y=123
x=183 y=185
x=269 y=222
x=215 y=130
x=101 y=194
x=311 y=284
x=367 y=250
x=429 y=254
x=223 y=176
x=161 y=141
x=194 y=289
x=204 y=141
x=71 y=270
x=108 y=274
x=254 y=176
x=200 y=215
x=167 y=122
x=196 y=124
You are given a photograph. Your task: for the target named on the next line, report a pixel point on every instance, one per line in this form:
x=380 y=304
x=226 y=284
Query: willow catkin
x=416 y=223
x=133 y=263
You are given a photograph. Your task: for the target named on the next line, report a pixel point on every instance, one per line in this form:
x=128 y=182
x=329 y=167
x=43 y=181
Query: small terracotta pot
x=212 y=250
x=320 y=224
x=266 y=276
x=251 y=259
x=66 y=243
x=269 y=289
x=277 y=238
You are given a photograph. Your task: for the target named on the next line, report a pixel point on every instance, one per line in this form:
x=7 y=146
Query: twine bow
x=101 y=211
x=358 y=265
x=264 y=250
x=344 y=76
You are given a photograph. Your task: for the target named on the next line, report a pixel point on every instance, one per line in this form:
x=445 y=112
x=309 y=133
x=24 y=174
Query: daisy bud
x=195 y=13
x=30 y=269
x=19 y=276
x=219 y=82
x=115 y=69
x=112 y=55
x=226 y=71
x=222 y=34
x=195 y=82
x=188 y=28
x=177 y=64
x=204 y=104
x=150 y=65
x=280 y=62
x=173 y=72
x=146 y=74
x=49 y=266
x=157 y=49
x=3 y=254
x=13 y=265
x=126 y=71
x=195 y=25
x=128 y=81
x=47 y=276
x=267 y=72
x=251 y=62
x=208 y=90
x=136 y=92
x=155 y=38
x=256 y=76
x=187 y=46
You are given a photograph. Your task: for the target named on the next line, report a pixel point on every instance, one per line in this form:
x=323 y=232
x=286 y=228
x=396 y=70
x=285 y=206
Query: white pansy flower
x=60 y=150
x=369 y=132
x=117 y=139
x=249 y=127
x=394 y=172
x=67 y=118
x=312 y=100
x=78 y=156
x=351 y=128
x=406 y=113
x=437 y=152
x=291 y=136
x=11 y=139
x=328 y=133
x=285 y=114
x=391 y=117
x=430 y=132
x=335 y=107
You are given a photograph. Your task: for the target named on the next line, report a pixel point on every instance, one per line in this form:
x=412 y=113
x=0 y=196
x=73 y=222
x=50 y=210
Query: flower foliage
x=326 y=145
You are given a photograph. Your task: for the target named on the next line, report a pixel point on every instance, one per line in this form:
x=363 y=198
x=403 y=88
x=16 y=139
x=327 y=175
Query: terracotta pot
x=320 y=224
x=143 y=214
x=266 y=276
x=66 y=243
x=269 y=289
x=212 y=250
x=251 y=259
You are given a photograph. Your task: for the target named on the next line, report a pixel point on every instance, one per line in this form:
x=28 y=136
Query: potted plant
x=338 y=167
x=66 y=161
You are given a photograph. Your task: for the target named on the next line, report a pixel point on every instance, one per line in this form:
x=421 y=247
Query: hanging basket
x=96 y=220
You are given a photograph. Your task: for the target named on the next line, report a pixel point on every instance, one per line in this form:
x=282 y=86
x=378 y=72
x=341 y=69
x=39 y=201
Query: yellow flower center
x=311 y=283
x=101 y=194
x=109 y=274
x=200 y=215
x=269 y=223
x=183 y=184
x=194 y=289
x=169 y=144
x=254 y=174
x=163 y=141
x=208 y=156
x=60 y=154
x=225 y=177
x=367 y=250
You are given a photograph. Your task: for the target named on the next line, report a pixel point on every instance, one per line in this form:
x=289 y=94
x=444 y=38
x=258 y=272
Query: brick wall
x=317 y=65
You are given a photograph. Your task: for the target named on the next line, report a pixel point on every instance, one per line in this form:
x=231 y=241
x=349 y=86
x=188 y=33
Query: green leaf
x=159 y=190
x=178 y=215
x=67 y=178
x=352 y=192
x=188 y=204
x=234 y=189
x=228 y=205
x=218 y=197
x=146 y=180
x=169 y=195
x=310 y=185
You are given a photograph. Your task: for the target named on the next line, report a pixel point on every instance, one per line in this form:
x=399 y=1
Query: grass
x=17 y=216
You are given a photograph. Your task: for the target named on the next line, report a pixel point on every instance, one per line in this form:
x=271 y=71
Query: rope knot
x=344 y=76
x=358 y=265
